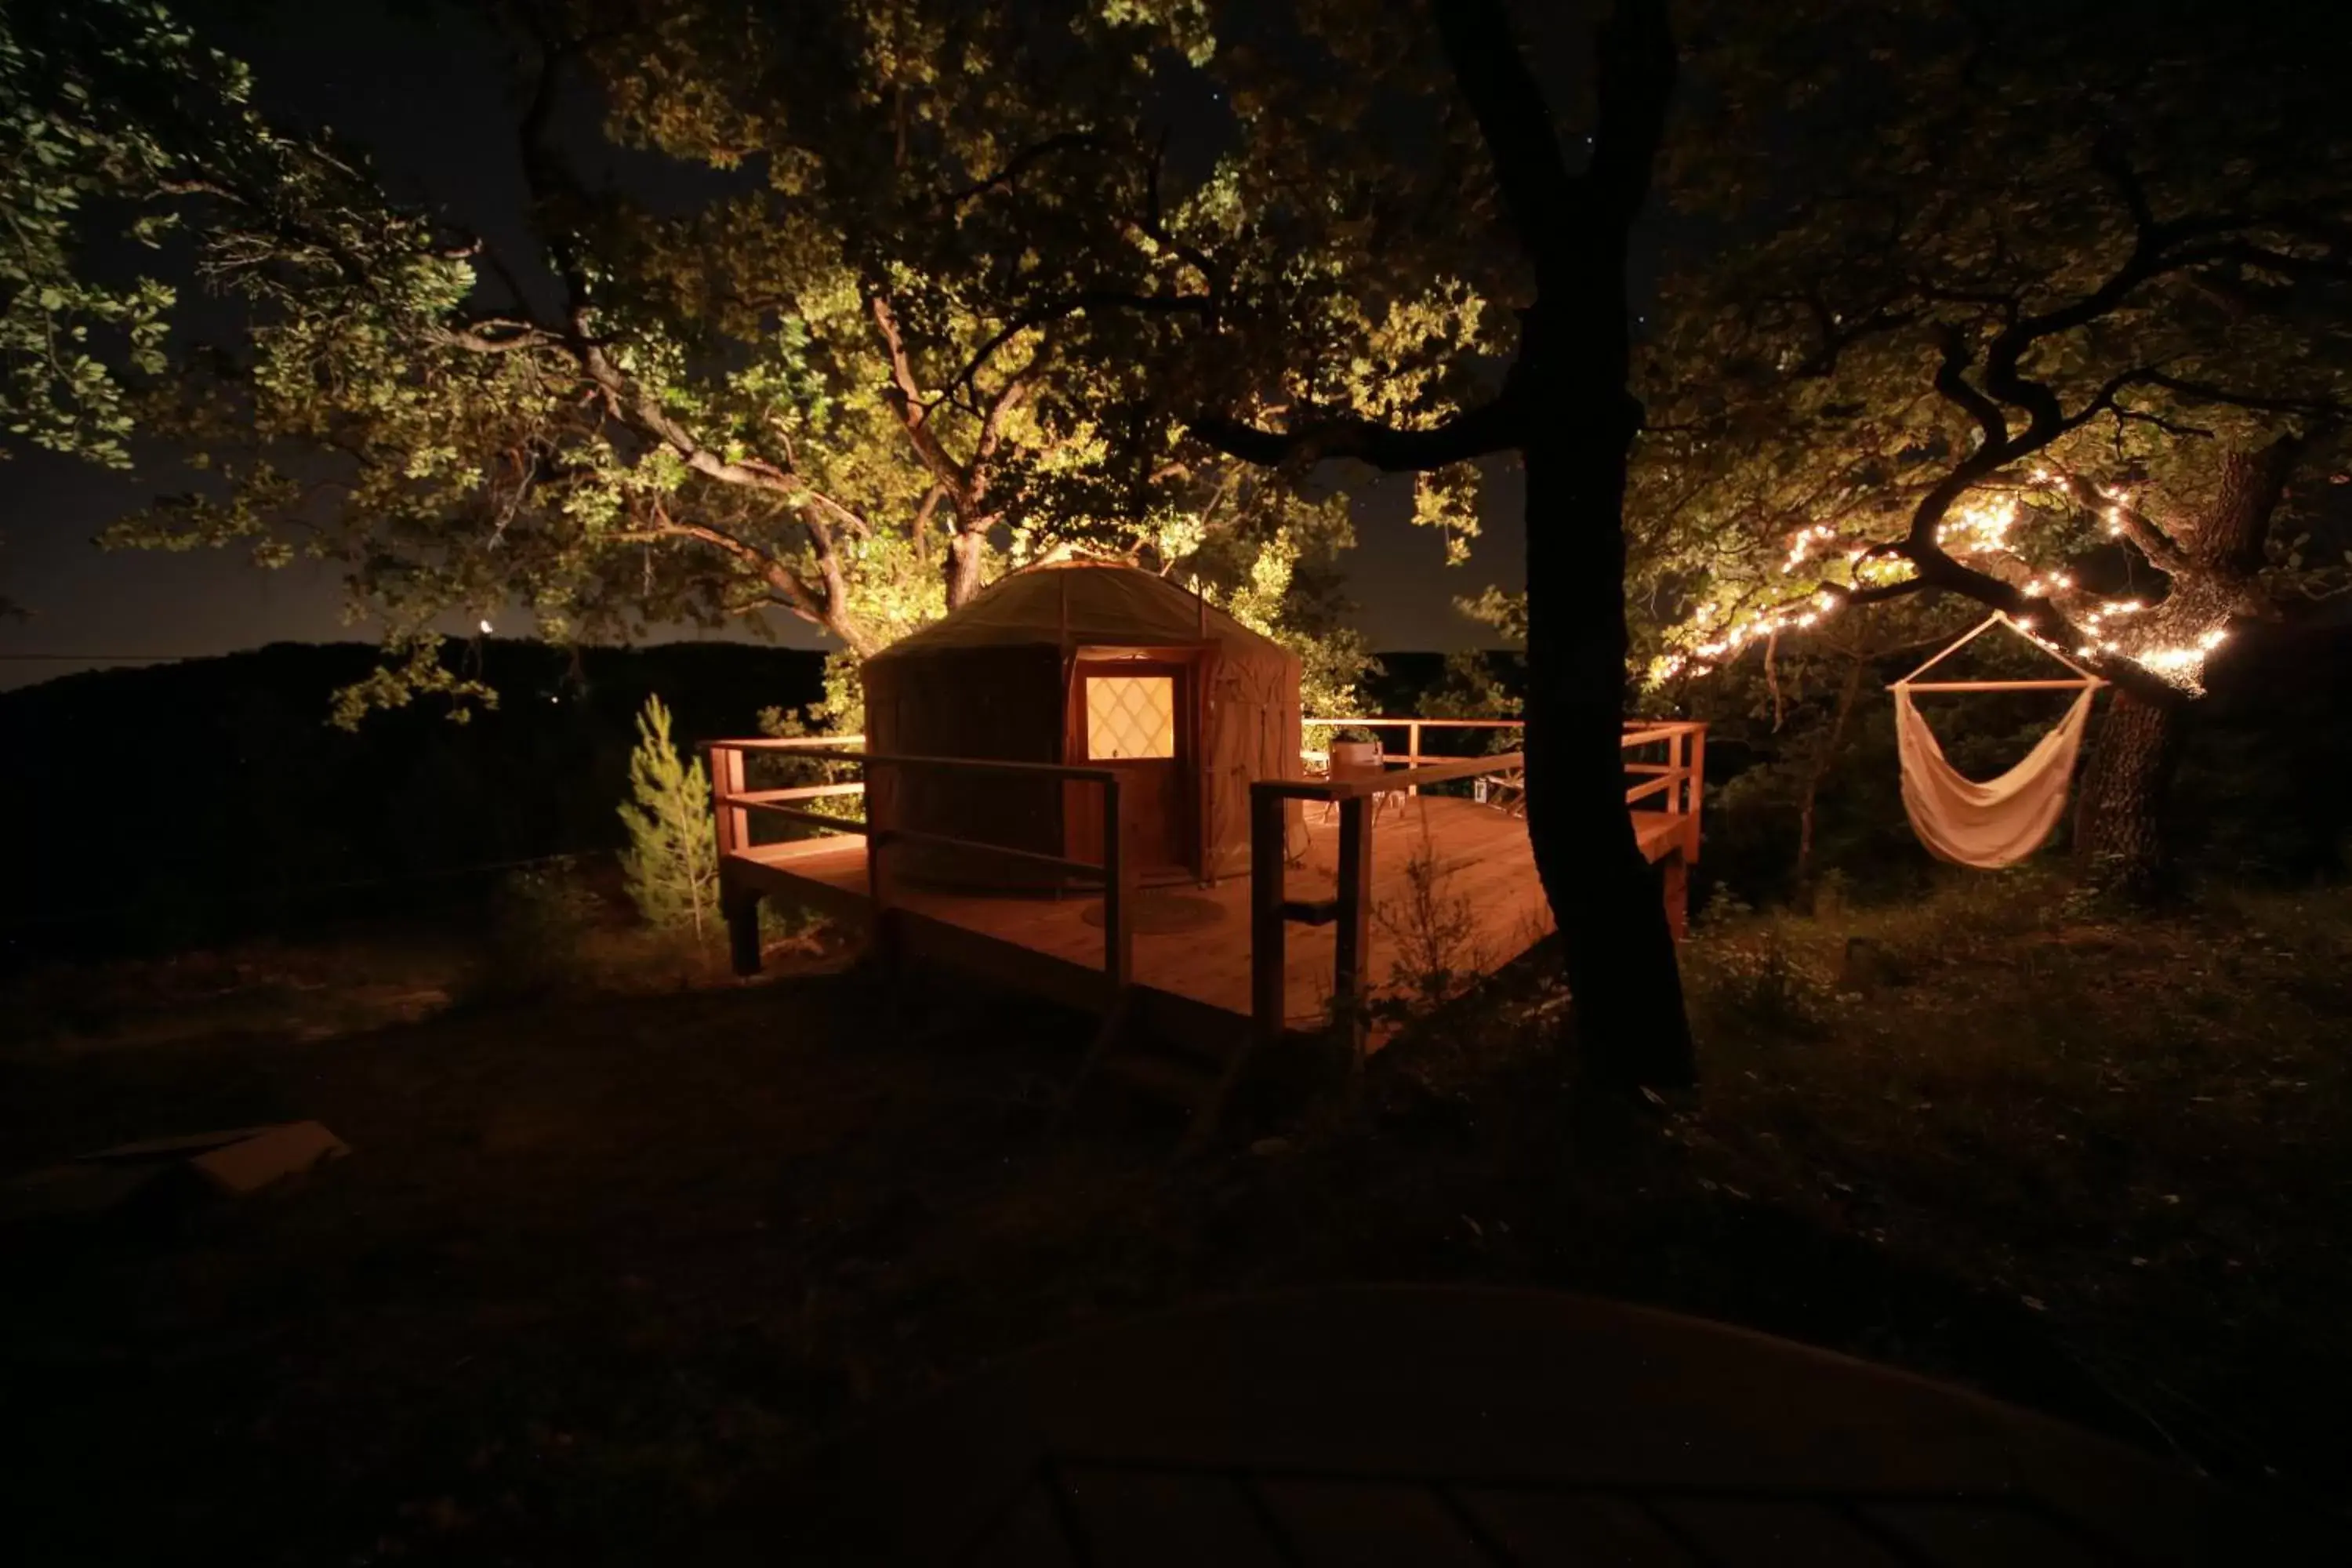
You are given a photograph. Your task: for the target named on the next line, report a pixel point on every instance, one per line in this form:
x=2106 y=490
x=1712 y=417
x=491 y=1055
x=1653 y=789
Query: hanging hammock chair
x=2001 y=821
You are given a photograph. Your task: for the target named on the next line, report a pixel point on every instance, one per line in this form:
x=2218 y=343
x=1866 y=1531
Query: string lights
x=1979 y=526
x=1802 y=545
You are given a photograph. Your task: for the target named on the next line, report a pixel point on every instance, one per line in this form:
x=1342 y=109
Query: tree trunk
x=1848 y=696
x=2120 y=844
x=1625 y=988
x=967 y=556
x=2120 y=825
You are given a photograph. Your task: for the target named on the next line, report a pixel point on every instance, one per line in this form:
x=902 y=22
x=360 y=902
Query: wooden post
x=877 y=885
x=1266 y=966
x=1354 y=936
x=741 y=906
x=1697 y=757
x=1677 y=893
x=1118 y=890
x=1412 y=754
x=726 y=783
x=1678 y=771
x=1206 y=865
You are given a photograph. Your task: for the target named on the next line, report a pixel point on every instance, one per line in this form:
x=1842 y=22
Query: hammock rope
x=1999 y=821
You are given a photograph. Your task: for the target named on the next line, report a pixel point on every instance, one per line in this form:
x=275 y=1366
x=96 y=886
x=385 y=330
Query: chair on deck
x=1507 y=792
x=1340 y=770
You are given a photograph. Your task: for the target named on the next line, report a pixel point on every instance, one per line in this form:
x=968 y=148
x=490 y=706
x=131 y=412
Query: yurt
x=1082 y=663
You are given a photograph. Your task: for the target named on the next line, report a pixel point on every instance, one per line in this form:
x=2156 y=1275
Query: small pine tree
x=672 y=862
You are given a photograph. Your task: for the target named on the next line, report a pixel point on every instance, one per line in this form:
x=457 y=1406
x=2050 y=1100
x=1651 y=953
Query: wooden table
x=1434 y=1426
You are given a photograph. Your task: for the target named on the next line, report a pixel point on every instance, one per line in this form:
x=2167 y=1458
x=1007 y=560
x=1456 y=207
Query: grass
x=609 y=1251
x=2132 y=1129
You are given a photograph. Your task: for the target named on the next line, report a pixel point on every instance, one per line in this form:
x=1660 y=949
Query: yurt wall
x=1006 y=677
x=998 y=703
x=1251 y=731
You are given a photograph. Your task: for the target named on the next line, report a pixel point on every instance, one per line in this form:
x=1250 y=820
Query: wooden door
x=1134 y=715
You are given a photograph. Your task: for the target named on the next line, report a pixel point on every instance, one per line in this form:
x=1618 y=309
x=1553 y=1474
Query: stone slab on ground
x=232 y=1160
x=269 y=1154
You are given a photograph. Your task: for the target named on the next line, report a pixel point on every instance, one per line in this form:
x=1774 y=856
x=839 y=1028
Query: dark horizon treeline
x=179 y=804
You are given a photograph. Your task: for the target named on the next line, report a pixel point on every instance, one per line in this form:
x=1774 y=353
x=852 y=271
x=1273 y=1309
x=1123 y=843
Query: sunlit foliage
x=819 y=367
x=1994 y=301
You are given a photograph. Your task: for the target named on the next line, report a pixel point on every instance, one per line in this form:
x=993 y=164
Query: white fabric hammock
x=2001 y=821
x=1996 y=823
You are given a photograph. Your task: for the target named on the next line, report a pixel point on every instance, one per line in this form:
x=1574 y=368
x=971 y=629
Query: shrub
x=671 y=865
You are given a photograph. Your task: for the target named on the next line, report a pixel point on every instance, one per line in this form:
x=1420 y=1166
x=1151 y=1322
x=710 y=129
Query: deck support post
x=1675 y=872
x=741 y=907
x=1266 y=959
x=1118 y=892
x=1353 y=940
x=726 y=783
x=879 y=928
x=1695 y=765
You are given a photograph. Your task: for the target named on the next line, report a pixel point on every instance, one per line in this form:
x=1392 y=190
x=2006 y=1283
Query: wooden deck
x=1326 y=925
x=1482 y=867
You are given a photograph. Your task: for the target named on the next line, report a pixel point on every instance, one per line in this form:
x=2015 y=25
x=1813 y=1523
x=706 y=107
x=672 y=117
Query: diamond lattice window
x=1130 y=716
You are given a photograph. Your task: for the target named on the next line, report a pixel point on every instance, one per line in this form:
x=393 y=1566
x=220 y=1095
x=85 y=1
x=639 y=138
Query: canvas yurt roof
x=1076 y=603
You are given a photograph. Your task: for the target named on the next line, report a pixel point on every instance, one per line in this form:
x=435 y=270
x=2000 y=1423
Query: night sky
x=428 y=102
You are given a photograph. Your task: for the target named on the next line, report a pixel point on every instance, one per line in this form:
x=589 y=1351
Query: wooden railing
x=734 y=804
x=1673 y=782
x=1677 y=780
x=1272 y=910
x=733 y=800
x=1412 y=728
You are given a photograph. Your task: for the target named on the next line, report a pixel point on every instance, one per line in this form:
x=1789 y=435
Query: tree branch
x=981 y=469
x=1952 y=383
x=1065 y=306
x=838 y=619
x=2180 y=427
x=1513 y=119
x=492 y=335
x=921 y=528
x=786 y=585
x=2286 y=264
x=1635 y=66
x=1002 y=177
x=1490 y=427
x=1155 y=225
x=905 y=399
x=2314 y=406
x=2110 y=159
x=1878 y=593
x=2139 y=527
x=545 y=174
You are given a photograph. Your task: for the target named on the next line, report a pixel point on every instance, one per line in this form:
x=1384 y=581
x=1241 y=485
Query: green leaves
x=2068 y=213
x=896 y=335
x=1448 y=500
x=73 y=346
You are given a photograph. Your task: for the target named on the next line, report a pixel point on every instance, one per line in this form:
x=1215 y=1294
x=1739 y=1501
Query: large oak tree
x=1413 y=255
x=2048 y=310
x=760 y=376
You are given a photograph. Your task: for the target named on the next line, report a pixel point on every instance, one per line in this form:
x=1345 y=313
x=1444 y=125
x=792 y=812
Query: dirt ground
x=599 y=1263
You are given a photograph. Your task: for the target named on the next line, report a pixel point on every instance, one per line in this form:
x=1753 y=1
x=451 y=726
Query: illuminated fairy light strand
x=1979 y=527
